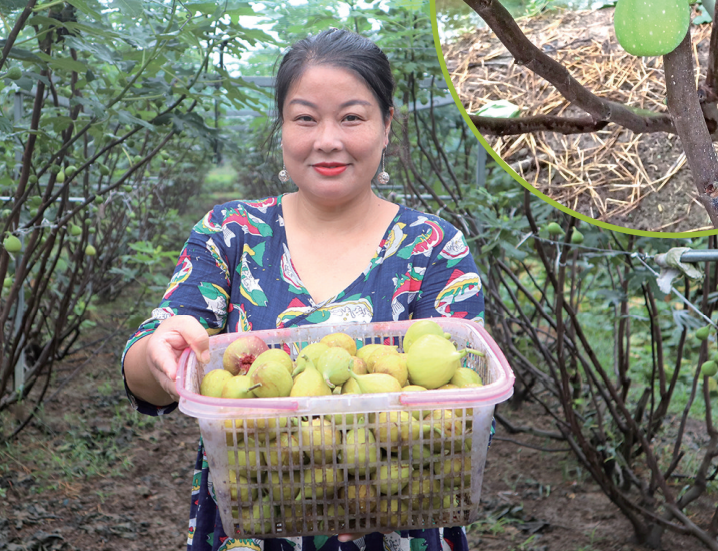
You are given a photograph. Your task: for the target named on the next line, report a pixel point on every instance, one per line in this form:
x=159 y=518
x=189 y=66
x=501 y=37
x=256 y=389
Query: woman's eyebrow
x=342 y=106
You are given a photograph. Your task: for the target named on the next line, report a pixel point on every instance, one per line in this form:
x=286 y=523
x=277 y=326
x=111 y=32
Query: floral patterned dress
x=235 y=274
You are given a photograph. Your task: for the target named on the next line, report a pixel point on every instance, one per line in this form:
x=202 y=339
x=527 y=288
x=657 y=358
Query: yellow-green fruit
x=60 y=177
x=416 y=455
x=365 y=351
x=392 y=512
x=263 y=429
x=381 y=350
x=213 y=383
x=432 y=361
x=90 y=250
x=241 y=488
x=652 y=28
x=417 y=414
x=70 y=171
x=75 y=230
x=709 y=368
x=257 y=520
x=334 y=364
x=237 y=387
x=273 y=379
x=703 y=333
x=360 y=497
x=465 y=376
x=247 y=458
x=454 y=470
x=341 y=340
x=319 y=482
x=576 y=237
x=104 y=170
x=420 y=328
x=351 y=387
x=314 y=350
x=451 y=427
x=554 y=229
x=308 y=382
x=358 y=366
x=392 y=477
x=376 y=383
x=447 y=386
x=284 y=451
x=319 y=439
x=394 y=365
x=424 y=490
x=275 y=355
x=12 y=244
x=7 y=283
x=14 y=73
x=398 y=428
x=360 y=451
x=284 y=487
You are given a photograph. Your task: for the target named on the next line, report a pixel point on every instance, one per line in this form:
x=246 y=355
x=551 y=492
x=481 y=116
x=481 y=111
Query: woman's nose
x=328 y=137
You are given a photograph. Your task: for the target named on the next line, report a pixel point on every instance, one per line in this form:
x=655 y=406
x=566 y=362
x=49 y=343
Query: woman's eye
x=351 y=118
x=305 y=118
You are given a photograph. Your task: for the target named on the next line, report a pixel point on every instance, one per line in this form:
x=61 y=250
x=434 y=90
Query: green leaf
x=129 y=7
x=125 y=118
x=65 y=63
x=22 y=55
x=5 y=126
x=499 y=108
x=84 y=7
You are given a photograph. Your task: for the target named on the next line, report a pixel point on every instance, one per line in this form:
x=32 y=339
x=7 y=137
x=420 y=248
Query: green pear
x=424 y=490
x=432 y=361
x=379 y=351
x=257 y=520
x=400 y=428
x=213 y=383
x=314 y=350
x=417 y=413
x=417 y=455
x=392 y=513
x=465 y=376
x=358 y=366
x=242 y=487
x=376 y=383
x=365 y=351
x=319 y=482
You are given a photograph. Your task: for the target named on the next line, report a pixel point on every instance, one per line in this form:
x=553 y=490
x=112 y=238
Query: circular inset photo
x=606 y=109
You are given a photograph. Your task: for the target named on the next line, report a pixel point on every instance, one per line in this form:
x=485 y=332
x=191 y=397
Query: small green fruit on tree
x=703 y=332
x=554 y=229
x=60 y=178
x=14 y=73
x=576 y=237
x=651 y=27
x=75 y=230
x=7 y=283
x=709 y=368
x=12 y=244
x=90 y=250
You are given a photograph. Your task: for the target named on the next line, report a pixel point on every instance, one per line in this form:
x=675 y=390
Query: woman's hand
x=166 y=345
x=151 y=363
x=349 y=537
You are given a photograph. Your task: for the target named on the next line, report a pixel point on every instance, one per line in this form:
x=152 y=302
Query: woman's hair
x=339 y=48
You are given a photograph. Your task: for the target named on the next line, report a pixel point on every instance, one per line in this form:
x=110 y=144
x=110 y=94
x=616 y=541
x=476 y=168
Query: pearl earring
x=383 y=177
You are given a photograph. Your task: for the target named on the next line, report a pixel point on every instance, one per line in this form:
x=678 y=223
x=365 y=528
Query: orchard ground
x=90 y=473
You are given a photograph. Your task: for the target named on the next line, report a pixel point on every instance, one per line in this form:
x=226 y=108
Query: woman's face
x=333 y=134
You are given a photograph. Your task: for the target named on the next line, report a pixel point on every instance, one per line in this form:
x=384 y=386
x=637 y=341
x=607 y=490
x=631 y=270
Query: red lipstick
x=329 y=169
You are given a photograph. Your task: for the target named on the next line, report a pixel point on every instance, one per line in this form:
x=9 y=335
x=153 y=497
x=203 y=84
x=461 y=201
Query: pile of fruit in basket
x=357 y=470
x=334 y=365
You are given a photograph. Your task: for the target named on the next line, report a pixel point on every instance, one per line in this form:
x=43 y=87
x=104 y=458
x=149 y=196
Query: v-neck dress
x=235 y=274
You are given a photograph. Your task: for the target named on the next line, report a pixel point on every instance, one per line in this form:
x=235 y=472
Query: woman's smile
x=330 y=169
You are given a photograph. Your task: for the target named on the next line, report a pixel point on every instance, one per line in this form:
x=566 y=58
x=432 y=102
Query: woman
x=330 y=252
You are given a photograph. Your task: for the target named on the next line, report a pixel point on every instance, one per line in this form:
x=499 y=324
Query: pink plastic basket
x=284 y=467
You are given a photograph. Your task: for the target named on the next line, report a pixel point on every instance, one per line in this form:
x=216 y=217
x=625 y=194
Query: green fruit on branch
x=14 y=73
x=271 y=380
x=7 y=283
x=241 y=353
x=651 y=28
x=554 y=229
x=32 y=179
x=213 y=383
x=237 y=387
x=576 y=237
x=104 y=170
x=709 y=368
x=307 y=380
x=703 y=333
x=70 y=171
x=334 y=365
x=75 y=230
x=421 y=328
x=376 y=383
x=60 y=177
x=432 y=361
x=12 y=244
x=90 y=250
x=342 y=340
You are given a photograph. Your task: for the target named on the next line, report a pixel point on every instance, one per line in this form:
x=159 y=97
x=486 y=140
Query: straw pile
x=632 y=180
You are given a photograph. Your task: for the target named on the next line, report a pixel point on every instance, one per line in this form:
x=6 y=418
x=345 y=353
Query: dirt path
x=93 y=475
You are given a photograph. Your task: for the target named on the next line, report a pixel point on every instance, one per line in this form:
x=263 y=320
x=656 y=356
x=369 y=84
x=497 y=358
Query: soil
x=634 y=181
x=531 y=499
